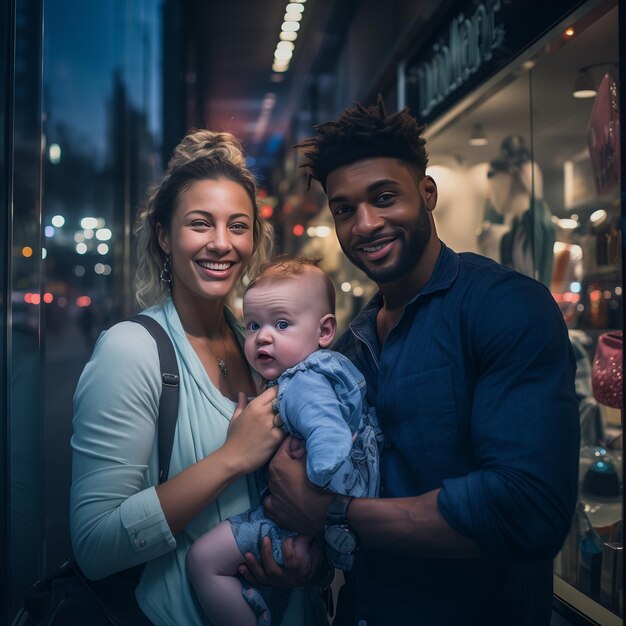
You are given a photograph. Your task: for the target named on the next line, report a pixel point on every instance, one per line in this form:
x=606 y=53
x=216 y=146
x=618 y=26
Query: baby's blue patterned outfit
x=322 y=401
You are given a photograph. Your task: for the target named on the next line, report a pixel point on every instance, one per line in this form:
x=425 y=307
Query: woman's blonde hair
x=201 y=155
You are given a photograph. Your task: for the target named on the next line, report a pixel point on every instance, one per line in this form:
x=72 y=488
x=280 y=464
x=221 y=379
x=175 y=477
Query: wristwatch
x=337 y=532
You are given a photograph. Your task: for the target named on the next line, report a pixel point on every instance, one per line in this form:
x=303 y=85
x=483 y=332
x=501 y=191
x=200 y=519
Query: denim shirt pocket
x=422 y=416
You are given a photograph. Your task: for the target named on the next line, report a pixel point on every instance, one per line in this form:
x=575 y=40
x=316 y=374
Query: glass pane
x=575 y=142
x=529 y=175
x=102 y=146
x=5 y=90
x=25 y=416
x=482 y=165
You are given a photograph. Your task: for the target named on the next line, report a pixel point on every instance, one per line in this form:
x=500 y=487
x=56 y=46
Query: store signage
x=469 y=43
x=479 y=38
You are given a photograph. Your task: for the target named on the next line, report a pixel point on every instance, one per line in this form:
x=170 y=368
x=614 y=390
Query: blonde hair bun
x=207 y=144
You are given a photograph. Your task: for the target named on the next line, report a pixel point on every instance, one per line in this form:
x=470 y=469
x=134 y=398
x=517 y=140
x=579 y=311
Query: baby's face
x=282 y=321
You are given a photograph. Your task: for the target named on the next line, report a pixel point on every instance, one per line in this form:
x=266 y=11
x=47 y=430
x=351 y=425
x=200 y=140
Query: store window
x=5 y=50
x=102 y=137
x=86 y=126
x=529 y=175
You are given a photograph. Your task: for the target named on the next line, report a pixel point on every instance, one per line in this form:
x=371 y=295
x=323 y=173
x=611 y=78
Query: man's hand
x=294 y=503
x=297 y=569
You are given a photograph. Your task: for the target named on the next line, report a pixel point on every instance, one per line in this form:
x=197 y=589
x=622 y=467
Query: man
x=469 y=366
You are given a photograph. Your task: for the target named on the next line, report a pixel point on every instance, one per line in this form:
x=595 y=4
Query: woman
x=197 y=236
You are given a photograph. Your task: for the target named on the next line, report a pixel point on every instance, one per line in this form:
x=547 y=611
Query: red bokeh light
x=566 y=296
x=298 y=230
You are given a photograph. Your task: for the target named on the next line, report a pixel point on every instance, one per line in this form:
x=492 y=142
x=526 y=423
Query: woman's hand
x=254 y=432
x=297 y=569
x=253 y=436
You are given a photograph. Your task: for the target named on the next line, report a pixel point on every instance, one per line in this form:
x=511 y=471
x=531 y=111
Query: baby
x=289 y=321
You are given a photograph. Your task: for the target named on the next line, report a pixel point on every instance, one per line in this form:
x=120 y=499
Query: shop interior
x=528 y=172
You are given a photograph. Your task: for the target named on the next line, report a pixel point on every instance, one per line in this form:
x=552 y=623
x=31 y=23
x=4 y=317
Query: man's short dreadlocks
x=364 y=133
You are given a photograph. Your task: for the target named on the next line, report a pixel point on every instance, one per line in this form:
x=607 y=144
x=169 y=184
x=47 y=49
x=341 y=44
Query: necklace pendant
x=222 y=365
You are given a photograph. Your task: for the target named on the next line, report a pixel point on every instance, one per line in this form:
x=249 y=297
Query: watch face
x=341 y=538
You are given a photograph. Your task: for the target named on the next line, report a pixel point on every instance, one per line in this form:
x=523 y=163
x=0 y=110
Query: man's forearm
x=412 y=525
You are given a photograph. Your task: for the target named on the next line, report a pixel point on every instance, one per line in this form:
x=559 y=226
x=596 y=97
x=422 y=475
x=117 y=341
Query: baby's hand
x=297 y=448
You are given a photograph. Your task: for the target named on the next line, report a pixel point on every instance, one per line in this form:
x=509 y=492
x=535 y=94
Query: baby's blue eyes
x=252 y=327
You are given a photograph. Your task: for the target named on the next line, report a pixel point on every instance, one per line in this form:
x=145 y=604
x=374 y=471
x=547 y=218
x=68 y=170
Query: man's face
x=381 y=215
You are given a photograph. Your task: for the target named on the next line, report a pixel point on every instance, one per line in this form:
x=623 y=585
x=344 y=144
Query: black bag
x=67 y=597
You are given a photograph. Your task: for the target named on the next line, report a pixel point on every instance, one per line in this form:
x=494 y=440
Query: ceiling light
x=290 y=27
x=584 y=87
x=288 y=34
x=566 y=224
x=570 y=32
x=282 y=55
x=597 y=217
x=478 y=138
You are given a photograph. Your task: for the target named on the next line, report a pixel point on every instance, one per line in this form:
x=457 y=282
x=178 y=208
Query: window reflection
x=78 y=178
x=102 y=137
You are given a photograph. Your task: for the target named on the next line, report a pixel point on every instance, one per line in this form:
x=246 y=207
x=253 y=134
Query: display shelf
x=594 y=612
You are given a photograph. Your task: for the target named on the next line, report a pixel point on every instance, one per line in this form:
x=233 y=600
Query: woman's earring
x=166 y=274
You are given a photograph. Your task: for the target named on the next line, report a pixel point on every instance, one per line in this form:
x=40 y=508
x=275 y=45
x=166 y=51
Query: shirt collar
x=444 y=274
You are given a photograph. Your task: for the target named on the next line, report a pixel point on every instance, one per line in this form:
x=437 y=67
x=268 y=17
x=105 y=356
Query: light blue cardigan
x=115 y=515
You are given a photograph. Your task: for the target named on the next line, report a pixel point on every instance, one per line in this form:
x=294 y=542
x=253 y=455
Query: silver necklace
x=221 y=363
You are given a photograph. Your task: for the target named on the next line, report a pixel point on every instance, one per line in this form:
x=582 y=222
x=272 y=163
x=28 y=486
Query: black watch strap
x=338 y=510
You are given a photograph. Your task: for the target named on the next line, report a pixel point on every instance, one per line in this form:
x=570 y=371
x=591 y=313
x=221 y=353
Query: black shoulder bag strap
x=168 y=404
x=116 y=593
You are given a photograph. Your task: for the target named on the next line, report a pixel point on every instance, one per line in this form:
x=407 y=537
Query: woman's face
x=210 y=240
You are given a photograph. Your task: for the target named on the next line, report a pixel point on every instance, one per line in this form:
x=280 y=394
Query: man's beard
x=411 y=252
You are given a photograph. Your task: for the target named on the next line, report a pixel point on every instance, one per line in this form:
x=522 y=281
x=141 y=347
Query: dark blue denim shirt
x=474 y=390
